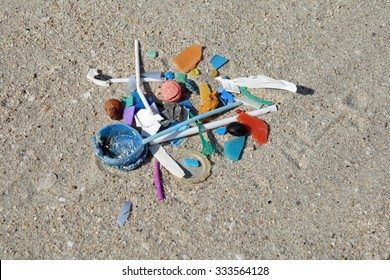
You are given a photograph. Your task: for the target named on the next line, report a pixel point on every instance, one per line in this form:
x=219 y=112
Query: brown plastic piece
x=114 y=109
x=256 y=127
x=213 y=73
x=187 y=59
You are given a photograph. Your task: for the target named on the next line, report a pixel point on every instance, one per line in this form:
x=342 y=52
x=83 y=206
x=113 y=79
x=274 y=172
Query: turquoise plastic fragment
x=220 y=131
x=151 y=53
x=254 y=98
x=217 y=61
x=191 y=162
x=127 y=101
x=180 y=77
x=233 y=148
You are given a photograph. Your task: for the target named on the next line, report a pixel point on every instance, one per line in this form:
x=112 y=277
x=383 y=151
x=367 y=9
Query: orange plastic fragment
x=257 y=128
x=209 y=99
x=187 y=59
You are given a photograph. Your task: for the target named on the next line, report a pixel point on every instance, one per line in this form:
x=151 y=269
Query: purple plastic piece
x=157 y=180
x=128 y=115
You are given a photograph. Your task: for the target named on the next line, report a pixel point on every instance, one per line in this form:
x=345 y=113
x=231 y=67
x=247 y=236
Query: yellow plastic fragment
x=187 y=59
x=209 y=99
x=194 y=72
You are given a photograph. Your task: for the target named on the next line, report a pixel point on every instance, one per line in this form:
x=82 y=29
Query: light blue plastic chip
x=191 y=162
x=217 y=61
x=124 y=213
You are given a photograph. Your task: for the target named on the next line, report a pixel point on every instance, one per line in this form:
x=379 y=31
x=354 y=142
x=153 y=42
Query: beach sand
x=319 y=189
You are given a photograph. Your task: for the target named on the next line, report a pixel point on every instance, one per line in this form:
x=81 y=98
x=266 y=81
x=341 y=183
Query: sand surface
x=318 y=190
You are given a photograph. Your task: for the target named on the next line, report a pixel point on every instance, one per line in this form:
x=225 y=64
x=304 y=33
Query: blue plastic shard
x=186 y=103
x=217 y=61
x=176 y=142
x=224 y=96
x=220 y=130
x=169 y=75
x=191 y=162
x=138 y=102
x=233 y=148
x=124 y=213
x=191 y=86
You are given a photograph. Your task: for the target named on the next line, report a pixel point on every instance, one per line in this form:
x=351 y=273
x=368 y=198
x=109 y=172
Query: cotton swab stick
x=212 y=125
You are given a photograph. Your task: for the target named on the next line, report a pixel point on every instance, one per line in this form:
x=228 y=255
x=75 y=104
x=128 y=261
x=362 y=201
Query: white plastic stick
x=146 y=79
x=212 y=125
x=138 y=77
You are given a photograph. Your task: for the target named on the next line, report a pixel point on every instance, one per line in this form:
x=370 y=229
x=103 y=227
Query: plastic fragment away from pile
x=124 y=213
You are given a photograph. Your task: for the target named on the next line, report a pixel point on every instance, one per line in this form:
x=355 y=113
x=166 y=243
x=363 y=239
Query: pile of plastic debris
x=143 y=125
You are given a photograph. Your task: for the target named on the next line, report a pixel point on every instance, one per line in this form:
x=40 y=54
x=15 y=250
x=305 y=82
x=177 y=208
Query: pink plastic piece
x=157 y=180
x=171 y=91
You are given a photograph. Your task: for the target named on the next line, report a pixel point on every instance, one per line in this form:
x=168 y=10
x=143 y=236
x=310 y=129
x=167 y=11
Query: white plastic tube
x=212 y=125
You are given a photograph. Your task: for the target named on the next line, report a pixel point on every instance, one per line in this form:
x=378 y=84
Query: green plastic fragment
x=254 y=98
x=127 y=101
x=180 y=77
x=151 y=53
x=207 y=148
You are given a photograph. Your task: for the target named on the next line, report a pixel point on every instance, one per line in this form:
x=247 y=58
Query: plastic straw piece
x=138 y=77
x=212 y=125
x=157 y=180
x=196 y=118
x=254 y=98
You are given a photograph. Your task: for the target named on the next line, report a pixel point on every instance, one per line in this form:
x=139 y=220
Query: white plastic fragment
x=87 y=94
x=91 y=76
x=124 y=213
x=259 y=81
x=48 y=181
x=148 y=122
x=248 y=102
x=165 y=160
x=228 y=85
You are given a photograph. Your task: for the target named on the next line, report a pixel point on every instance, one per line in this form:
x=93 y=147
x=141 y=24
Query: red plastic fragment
x=257 y=128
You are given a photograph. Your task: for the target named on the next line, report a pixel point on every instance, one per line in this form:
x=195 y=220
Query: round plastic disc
x=194 y=174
